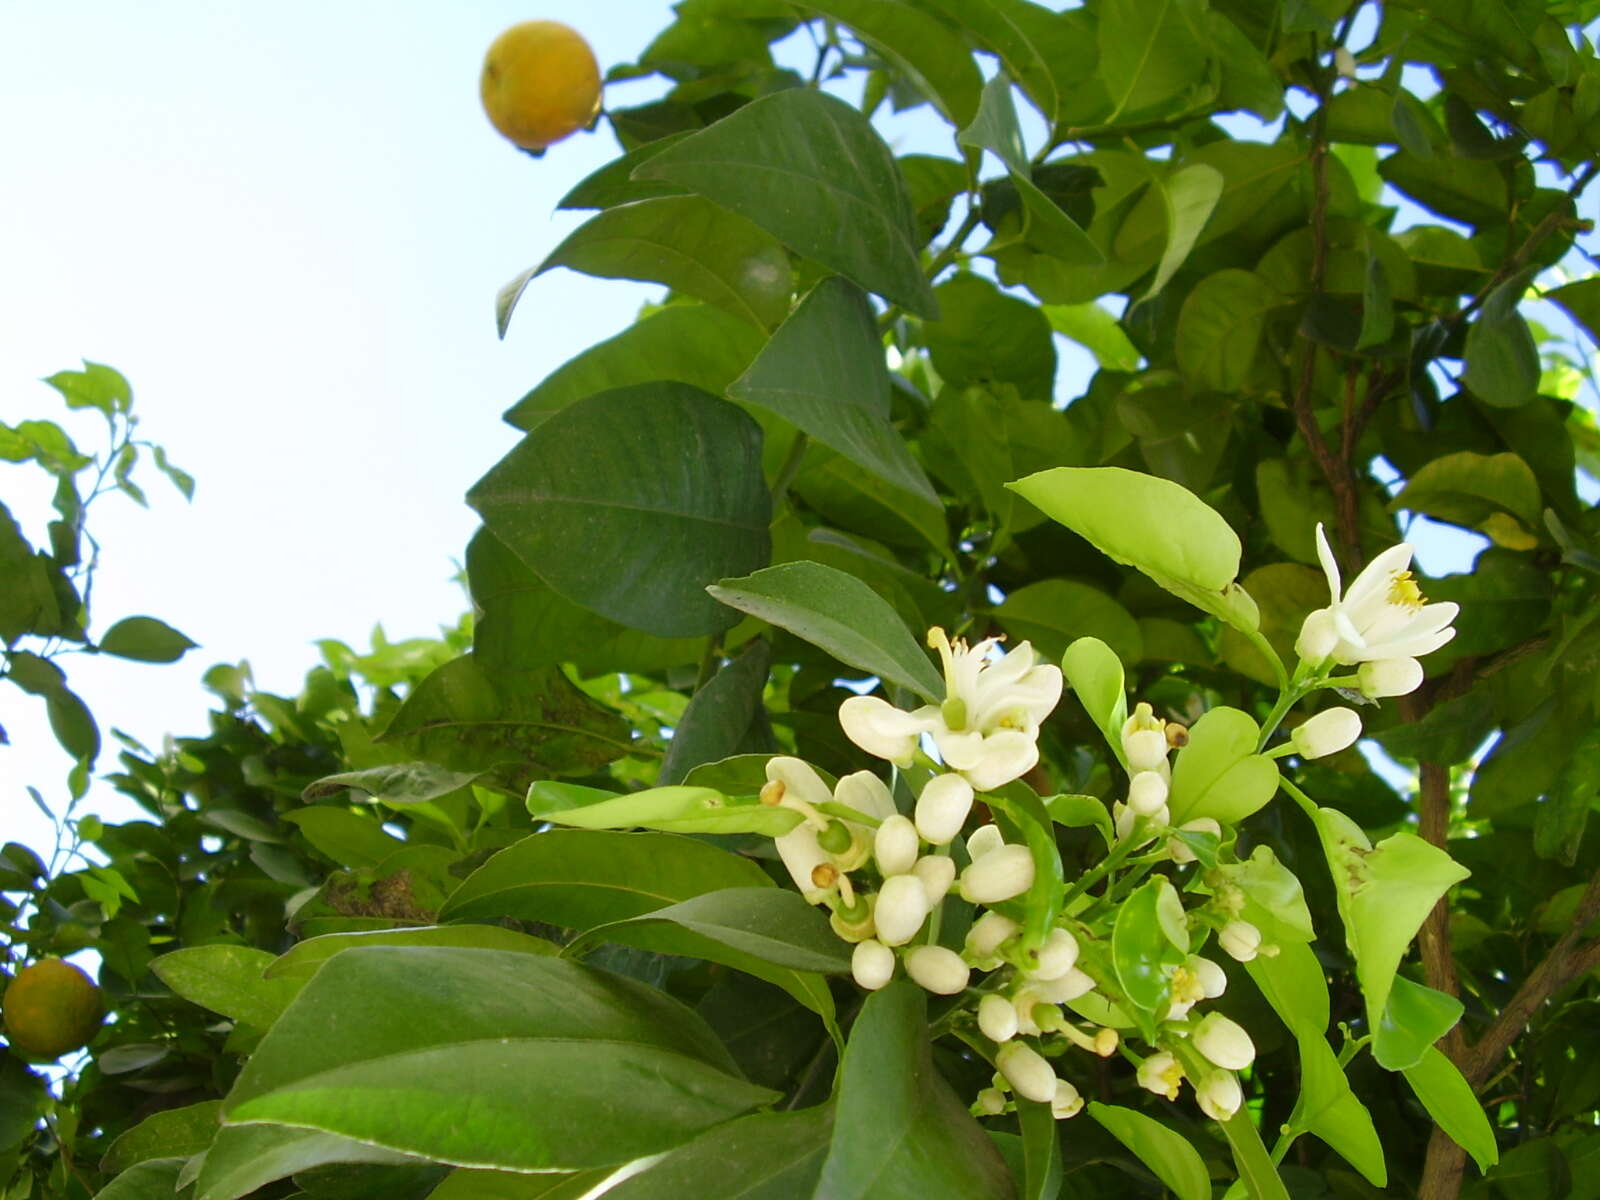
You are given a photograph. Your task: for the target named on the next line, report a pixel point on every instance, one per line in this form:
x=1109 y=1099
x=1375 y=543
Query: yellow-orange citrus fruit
x=51 y=1007
x=540 y=83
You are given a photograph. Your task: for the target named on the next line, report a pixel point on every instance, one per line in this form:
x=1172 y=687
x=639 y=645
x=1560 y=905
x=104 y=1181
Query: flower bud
x=987 y=934
x=991 y=1102
x=1344 y=62
x=984 y=839
x=866 y=793
x=997 y=1018
x=1147 y=793
x=1026 y=1070
x=1127 y=822
x=1029 y=1007
x=1056 y=957
x=1318 y=636
x=881 y=729
x=1066 y=988
x=938 y=875
x=1179 y=849
x=998 y=875
x=1146 y=749
x=902 y=907
x=1389 y=677
x=942 y=808
x=1240 y=940
x=872 y=964
x=1105 y=1041
x=1224 y=1042
x=1219 y=1095
x=1160 y=1074
x=1213 y=979
x=1328 y=732
x=895 y=846
x=938 y=970
x=1066 y=1102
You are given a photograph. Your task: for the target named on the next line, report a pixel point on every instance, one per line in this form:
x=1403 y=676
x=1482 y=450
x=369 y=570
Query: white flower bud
x=1127 y=820
x=866 y=793
x=998 y=875
x=872 y=964
x=1219 y=1095
x=1224 y=1042
x=1023 y=1003
x=1160 y=1074
x=938 y=970
x=1389 y=677
x=1146 y=749
x=984 y=839
x=1328 y=732
x=1344 y=62
x=991 y=1102
x=902 y=907
x=1213 y=979
x=895 y=845
x=1066 y=1102
x=881 y=729
x=1319 y=634
x=1065 y=989
x=987 y=934
x=997 y=1018
x=1240 y=940
x=1056 y=957
x=942 y=808
x=1180 y=850
x=1027 y=1071
x=938 y=875
x=1147 y=793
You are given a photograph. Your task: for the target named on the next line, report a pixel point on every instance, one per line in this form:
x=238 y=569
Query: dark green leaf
x=613 y=184
x=720 y=716
x=171 y=1133
x=630 y=502
x=812 y=171
x=824 y=373
x=987 y=337
x=765 y=1156
x=302 y=961
x=1220 y=328
x=244 y=1157
x=154 y=1179
x=900 y=1132
x=931 y=55
x=686 y=343
x=584 y=878
x=351 y=839
x=1502 y=365
x=227 y=979
x=1052 y=613
x=840 y=614
x=1168 y=1154
x=466 y=1184
x=397 y=783
x=24 y=1099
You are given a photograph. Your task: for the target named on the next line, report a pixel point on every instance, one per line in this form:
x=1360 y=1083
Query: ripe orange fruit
x=50 y=1008
x=540 y=83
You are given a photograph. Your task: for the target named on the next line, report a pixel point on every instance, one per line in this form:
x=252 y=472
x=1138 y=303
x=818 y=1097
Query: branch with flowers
x=942 y=871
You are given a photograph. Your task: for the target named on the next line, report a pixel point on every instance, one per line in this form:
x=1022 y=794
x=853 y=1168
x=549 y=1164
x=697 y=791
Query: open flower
x=1383 y=615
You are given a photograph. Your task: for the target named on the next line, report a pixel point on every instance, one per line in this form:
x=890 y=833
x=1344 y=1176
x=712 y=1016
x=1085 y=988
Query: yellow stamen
x=1404 y=592
x=824 y=875
x=772 y=793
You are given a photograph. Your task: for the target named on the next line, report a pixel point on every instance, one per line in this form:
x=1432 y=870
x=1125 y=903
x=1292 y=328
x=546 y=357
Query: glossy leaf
x=1414 y=1018
x=1502 y=361
x=986 y=337
x=170 y=1133
x=931 y=55
x=466 y=1184
x=900 y=1133
x=584 y=878
x=673 y=809
x=840 y=614
x=244 y=1157
x=1094 y=672
x=813 y=172
x=695 y=344
x=765 y=1156
x=153 y=1179
x=664 y=477
x=454 y=1056
x=1327 y=1107
x=823 y=371
x=686 y=242
x=1142 y=953
x=1168 y=1154
x=1453 y=1106
x=397 y=783
x=1052 y=613
x=301 y=961
x=1148 y=54
x=226 y=979
x=1220 y=328
x=1190 y=195
x=1219 y=774
x=1384 y=893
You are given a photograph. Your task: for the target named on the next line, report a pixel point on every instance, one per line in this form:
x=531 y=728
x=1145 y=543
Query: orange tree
x=693 y=873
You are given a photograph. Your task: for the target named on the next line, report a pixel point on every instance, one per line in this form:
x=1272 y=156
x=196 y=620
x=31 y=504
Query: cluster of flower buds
x=1381 y=625
x=1225 y=1048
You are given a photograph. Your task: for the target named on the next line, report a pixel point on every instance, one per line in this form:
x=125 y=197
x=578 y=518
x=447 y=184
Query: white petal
x=959 y=750
x=1007 y=755
x=1330 y=565
x=865 y=792
x=1375 y=580
x=800 y=781
x=1318 y=636
x=880 y=728
x=801 y=855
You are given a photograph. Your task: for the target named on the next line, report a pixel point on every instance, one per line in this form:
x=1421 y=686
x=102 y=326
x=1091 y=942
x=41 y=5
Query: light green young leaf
x=1190 y=195
x=674 y=809
x=145 y=639
x=1450 y=1101
x=1148 y=54
x=301 y=961
x=1094 y=672
x=1414 y=1018
x=1218 y=773
x=1328 y=1108
x=227 y=979
x=1168 y=1154
x=1384 y=894
x=170 y=1133
x=1220 y=328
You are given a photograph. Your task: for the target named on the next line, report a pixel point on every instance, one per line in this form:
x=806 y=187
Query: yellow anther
x=772 y=793
x=1404 y=592
x=825 y=875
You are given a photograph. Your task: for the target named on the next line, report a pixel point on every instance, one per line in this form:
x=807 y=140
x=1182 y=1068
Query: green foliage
x=349 y=952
